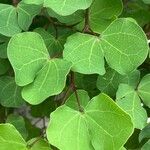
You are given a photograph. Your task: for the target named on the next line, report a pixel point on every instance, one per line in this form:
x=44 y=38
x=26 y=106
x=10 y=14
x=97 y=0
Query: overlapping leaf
x=31 y=62
x=129 y=101
x=76 y=130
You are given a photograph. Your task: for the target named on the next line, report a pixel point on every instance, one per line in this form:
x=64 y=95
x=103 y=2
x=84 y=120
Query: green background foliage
x=74 y=75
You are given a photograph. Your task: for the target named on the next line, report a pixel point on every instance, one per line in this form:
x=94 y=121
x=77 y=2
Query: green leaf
x=41 y=144
x=146 y=146
x=109 y=82
x=129 y=101
x=144 y=90
x=85 y=53
x=10 y=138
x=145 y=133
x=36 y=2
x=146 y=1
x=67 y=7
x=10 y=93
x=3 y=50
x=27 y=56
x=26 y=13
x=19 y=123
x=102 y=12
x=9 y=23
x=70 y=129
x=50 y=81
x=4 y=66
x=125 y=45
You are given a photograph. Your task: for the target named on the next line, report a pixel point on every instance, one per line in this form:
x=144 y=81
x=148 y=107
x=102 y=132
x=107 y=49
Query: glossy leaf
x=10 y=137
x=129 y=101
x=76 y=130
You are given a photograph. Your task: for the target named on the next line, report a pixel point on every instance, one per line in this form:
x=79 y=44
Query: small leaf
x=144 y=90
x=85 y=53
x=125 y=45
x=78 y=130
x=129 y=101
x=9 y=23
x=10 y=138
x=10 y=93
x=67 y=7
x=50 y=81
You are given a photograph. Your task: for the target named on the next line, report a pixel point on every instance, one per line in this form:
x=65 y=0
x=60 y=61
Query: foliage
x=74 y=74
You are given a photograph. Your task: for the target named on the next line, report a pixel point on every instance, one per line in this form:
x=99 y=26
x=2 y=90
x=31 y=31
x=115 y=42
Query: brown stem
x=15 y=2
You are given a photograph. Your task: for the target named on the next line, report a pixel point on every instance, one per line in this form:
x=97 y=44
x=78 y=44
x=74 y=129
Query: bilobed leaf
x=70 y=129
x=10 y=93
x=109 y=82
x=85 y=53
x=102 y=12
x=10 y=138
x=67 y=7
x=129 y=101
x=9 y=23
x=50 y=81
x=125 y=45
x=27 y=54
x=144 y=89
x=19 y=123
x=36 y=2
x=26 y=13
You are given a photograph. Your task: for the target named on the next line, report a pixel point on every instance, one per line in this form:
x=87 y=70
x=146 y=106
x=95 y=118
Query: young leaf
x=10 y=138
x=85 y=53
x=49 y=81
x=27 y=56
x=10 y=93
x=80 y=129
x=144 y=90
x=9 y=23
x=129 y=101
x=26 y=13
x=125 y=45
x=67 y=7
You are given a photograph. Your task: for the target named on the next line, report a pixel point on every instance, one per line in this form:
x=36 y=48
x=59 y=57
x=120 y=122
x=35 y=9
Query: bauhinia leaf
x=10 y=93
x=50 y=81
x=129 y=101
x=9 y=23
x=125 y=45
x=32 y=63
x=144 y=90
x=85 y=53
x=70 y=129
x=67 y=7
x=11 y=138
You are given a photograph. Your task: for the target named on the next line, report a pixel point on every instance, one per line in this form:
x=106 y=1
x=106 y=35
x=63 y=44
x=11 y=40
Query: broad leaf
x=9 y=23
x=102 y=12
x=49 y=81
x=19 y=123
x=76 y=130
x=109 y=82
x=4 y=66
x=36 y=2
x=144 y=90
x=146 y=146
x=85 y=53
x=146 y=1
x=10 y=138
x=10 y=93
x=129 y=101
x=125 y=45
x=27 y=56
x=67 y=7
x=26 y=13
x=145 y=133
